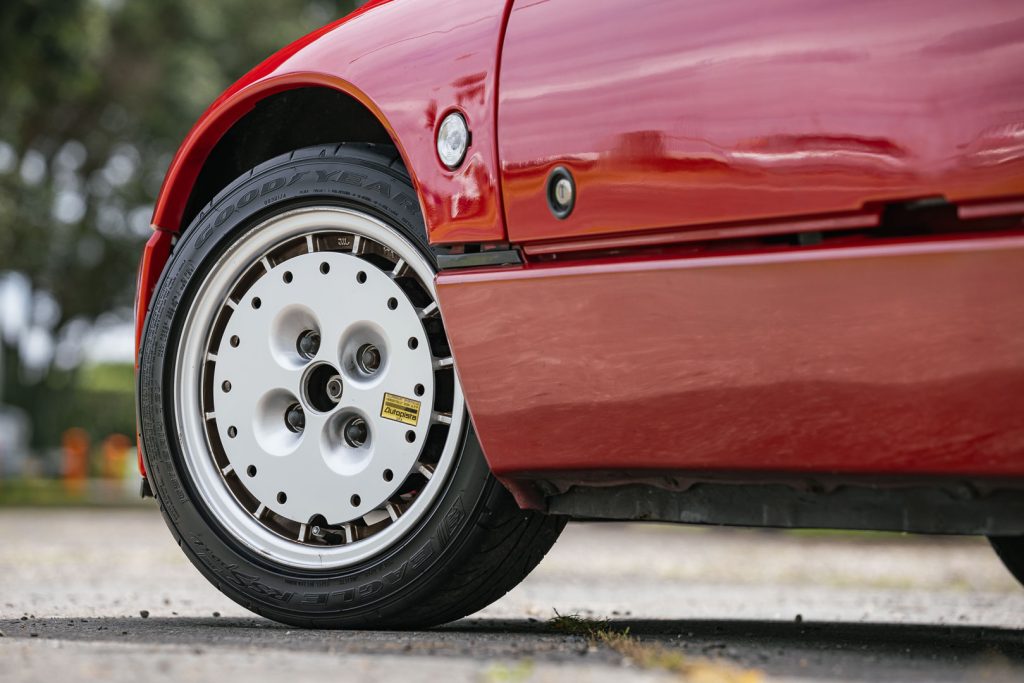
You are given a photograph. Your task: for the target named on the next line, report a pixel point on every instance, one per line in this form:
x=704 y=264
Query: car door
x=684 y=113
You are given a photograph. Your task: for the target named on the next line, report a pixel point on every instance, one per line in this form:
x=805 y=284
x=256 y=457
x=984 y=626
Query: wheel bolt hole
x=392 y=303
x=410 y=436
x=388 y=475
x=360 y=277
x=355 y=500
x=325 y=267
x=256 y=302
x=356 y=432
x=287 y=277
x=226 y=386
x=251 y=470
x=232 y=432
x=368 y=359
x=418 y=390
x=308 y=344
x=413 y=342
x=282 y=497
x=234 y=340
x=295 y=418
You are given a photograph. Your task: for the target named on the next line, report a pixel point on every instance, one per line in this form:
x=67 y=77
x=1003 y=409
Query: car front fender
x=410 y=64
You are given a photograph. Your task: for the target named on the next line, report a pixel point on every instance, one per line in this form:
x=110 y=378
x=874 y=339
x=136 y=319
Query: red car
x=440 y=276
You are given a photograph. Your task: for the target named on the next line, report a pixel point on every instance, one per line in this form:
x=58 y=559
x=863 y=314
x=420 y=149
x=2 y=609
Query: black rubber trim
x=481 y=259
x=954 y=508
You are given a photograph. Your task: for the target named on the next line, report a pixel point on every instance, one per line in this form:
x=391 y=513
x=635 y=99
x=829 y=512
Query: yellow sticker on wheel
x=400 y=409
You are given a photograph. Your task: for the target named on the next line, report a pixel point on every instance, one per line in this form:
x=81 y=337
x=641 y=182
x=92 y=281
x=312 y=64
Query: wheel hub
x=322 y=386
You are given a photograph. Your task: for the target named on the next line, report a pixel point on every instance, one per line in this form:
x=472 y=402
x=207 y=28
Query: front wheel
x=302 y=423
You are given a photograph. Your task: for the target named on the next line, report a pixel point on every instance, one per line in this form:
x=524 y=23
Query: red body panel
x=410 y=63
x=898 y=359
x=686 y=112
x=154 y=257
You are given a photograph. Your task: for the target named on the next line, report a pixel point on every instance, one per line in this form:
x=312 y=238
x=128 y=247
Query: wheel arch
x=237 y=133
x=258 y=123
x=242 y=130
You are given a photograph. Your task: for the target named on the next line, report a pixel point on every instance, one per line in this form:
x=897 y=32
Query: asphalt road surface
x=706 y=605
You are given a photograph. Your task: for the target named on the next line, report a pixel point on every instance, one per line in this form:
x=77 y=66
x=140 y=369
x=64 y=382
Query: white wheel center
x=346 y=460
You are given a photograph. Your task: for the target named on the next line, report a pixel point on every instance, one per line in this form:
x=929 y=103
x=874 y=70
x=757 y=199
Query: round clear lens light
x=452 y=140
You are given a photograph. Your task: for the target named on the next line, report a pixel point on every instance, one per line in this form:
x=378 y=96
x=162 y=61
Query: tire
x=451 y=540
x=1010 y=550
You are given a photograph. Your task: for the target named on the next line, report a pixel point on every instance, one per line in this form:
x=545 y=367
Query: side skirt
x=952 y=509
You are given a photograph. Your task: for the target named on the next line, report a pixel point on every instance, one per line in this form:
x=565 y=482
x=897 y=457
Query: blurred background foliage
x=95 y=97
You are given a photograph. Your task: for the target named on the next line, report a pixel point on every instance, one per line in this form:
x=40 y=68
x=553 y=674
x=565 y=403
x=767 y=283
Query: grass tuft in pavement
x=652 y=656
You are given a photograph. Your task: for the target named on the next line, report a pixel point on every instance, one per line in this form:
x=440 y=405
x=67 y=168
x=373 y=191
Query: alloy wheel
x=314 y=389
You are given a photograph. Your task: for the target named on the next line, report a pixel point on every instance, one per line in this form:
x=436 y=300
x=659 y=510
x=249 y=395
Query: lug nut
x=295 y=418
x=369 y=358
x=334 y=388
x=356 y=432
x=308 y=344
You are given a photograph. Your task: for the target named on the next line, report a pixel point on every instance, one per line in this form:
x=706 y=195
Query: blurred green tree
x=95 y=96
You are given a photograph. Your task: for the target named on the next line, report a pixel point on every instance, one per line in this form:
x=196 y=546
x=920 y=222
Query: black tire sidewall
x=374 y=591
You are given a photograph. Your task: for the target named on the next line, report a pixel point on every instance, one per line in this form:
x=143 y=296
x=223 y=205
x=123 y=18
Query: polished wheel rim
x=314 y=388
